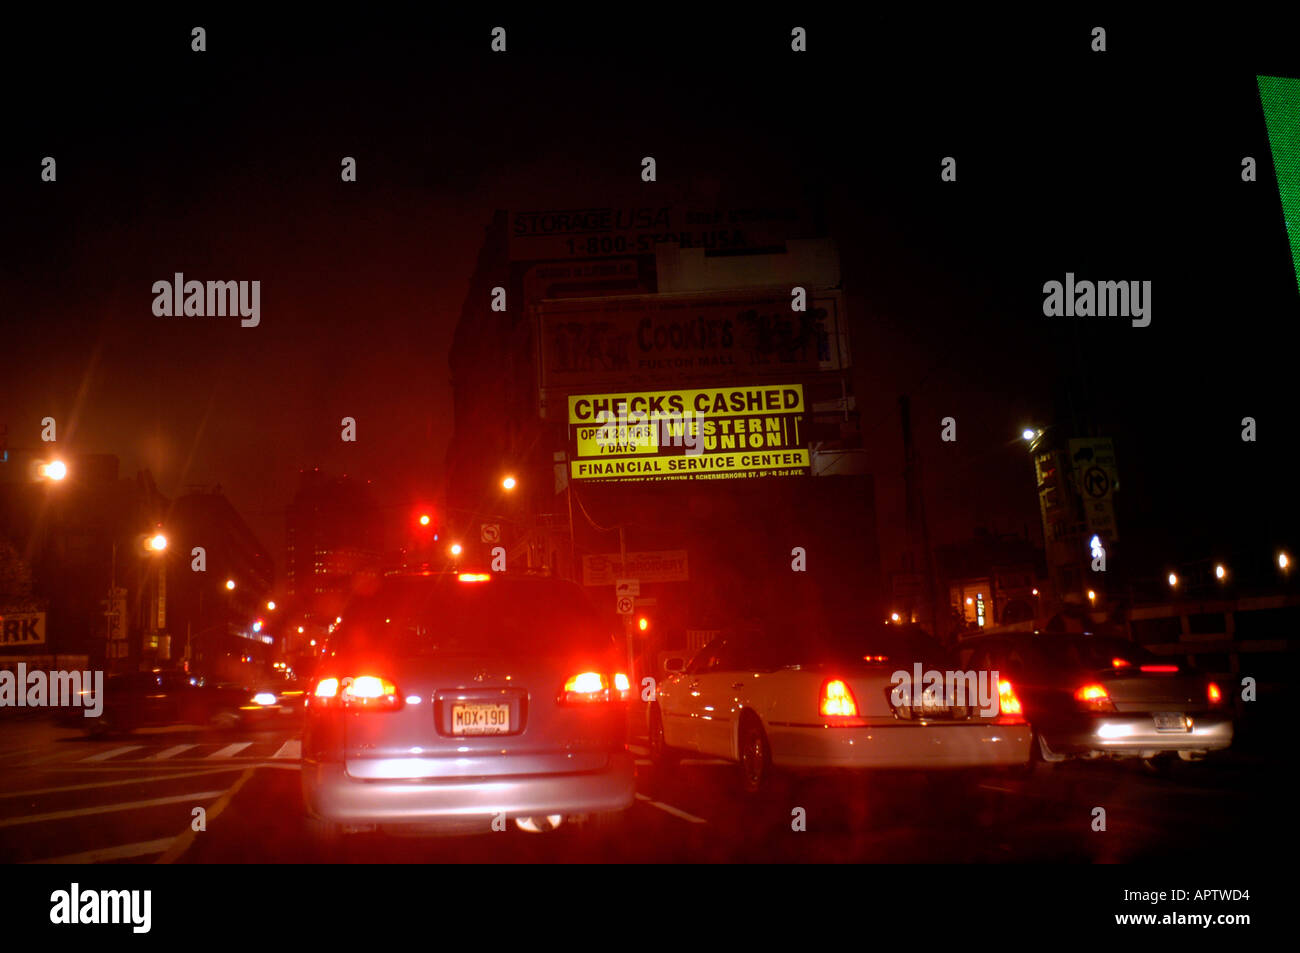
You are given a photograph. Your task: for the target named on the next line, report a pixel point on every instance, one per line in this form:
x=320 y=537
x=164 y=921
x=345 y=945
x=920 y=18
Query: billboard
x=603 y=231
x=703 y=433
x=648 y=340
x=22 y=628
x=661 y=566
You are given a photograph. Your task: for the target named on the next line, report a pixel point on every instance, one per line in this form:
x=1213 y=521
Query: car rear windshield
x=1091 y=653
x=847 y=641
x=443 y=617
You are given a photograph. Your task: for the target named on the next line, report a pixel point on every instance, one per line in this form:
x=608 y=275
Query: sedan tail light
x=1160 y=669
x=1214 y=693
x=837 y=700
x=1094 y=698
x=356 y=693
x=1010 y=710
x=587 y=688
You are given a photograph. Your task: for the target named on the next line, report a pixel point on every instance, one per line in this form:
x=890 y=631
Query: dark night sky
x=224 y=165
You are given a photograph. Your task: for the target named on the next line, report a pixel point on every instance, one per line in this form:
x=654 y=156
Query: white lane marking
x=699 y=761
x=171 y=752
x=108 y=808
x=229 y=751
x=113 y=753
x=675 y=812
x=638 y=749
x=643 y=761
x=120 y=852
x=290 y=749
x=115 y=784
x=994 y=787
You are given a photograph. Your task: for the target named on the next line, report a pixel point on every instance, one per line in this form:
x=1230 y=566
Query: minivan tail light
x=357 y=693
x=593 y=687
x=1094 y=698
x=837 y=700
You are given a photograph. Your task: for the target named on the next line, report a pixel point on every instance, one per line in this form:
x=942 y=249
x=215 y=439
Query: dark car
x=1089 y=696
x=456 y=701
x=159 y=698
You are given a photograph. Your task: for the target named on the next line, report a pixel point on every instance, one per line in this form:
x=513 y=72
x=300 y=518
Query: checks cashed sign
x=705 y=433
x=22 y=628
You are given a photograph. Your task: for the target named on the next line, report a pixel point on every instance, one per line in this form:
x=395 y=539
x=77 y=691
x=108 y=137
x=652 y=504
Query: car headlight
x=264 y=698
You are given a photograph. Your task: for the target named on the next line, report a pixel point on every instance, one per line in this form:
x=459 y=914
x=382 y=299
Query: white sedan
x=804 y=701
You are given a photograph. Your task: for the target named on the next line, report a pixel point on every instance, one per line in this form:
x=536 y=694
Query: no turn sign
x=623 y=604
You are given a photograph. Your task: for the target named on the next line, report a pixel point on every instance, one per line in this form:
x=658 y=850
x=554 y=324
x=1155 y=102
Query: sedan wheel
x=663 y=757
x=755 y=757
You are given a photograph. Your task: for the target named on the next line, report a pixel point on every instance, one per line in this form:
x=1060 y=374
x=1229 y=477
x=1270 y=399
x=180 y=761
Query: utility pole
x=915 y=509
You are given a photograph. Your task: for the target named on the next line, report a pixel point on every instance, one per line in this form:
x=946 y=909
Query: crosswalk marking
x=120 y=852
x=229 y=751
x=171 y=752
x=108 y=808
x=669 y=809
x=290 y=749
x=112 y=753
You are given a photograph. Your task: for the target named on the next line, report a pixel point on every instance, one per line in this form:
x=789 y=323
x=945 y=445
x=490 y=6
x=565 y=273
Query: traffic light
x=643 y=623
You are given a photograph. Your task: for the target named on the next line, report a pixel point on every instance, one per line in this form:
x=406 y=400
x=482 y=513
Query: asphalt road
x=67 y=799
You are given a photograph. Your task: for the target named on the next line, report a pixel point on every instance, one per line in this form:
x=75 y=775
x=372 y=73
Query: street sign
x=627 y=587
x=623 y=604
x=489 y=532
x=1098 y=479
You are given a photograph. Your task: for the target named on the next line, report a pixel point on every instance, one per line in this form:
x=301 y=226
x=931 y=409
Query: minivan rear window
x=440 y=616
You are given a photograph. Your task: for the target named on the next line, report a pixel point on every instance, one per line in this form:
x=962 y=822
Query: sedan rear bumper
x=902 y=746
x=1136 y=734
x=331 y=794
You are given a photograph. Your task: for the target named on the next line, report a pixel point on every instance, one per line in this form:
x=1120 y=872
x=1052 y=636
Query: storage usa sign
x=710 y=433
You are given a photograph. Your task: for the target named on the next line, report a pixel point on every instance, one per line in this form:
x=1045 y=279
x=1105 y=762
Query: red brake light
x=1213 y=692
x=837 y=700
x=1118 y=662
x=1094 y=698
x=1160 y=669
x=357 y=693
x=594 y=687
x=875 y=658
x=1009 y=706
x=474 y=577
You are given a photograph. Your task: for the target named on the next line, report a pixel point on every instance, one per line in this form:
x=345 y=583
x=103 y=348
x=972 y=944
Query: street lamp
x=271 y=606
x=456 y=549
x=1283 y=561
x=508 y=483
x=54 y=470
x=1220 y=572
x=157 y=542
x=1173 y=580
x=230 y=585
x=1027 y=434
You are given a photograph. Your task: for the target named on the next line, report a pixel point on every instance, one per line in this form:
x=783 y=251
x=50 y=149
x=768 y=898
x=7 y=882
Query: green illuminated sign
x=1281 y=100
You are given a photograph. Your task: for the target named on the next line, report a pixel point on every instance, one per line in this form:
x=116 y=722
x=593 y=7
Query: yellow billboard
x=704 y=433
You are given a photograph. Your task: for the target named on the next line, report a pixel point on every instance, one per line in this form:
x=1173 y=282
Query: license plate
x=480 y=719
x=1170 y=721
